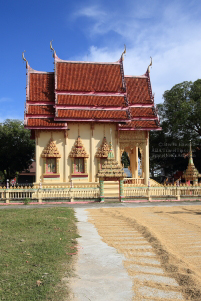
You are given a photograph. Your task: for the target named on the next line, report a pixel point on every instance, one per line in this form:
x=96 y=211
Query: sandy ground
x=161 y=247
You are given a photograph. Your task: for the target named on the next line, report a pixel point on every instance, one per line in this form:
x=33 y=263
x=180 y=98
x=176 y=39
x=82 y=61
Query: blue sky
x=169 y=31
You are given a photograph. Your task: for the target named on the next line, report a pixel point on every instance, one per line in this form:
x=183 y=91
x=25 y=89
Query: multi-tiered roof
x=89 y=92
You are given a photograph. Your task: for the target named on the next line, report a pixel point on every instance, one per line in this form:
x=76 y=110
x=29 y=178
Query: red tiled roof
x=140 y=124
x=40 y=110
x=90 y=100
x=41 y=87
x=92 y=114
x=138 y=90
x=44 y=122
x=142 y=112
x=89 y=77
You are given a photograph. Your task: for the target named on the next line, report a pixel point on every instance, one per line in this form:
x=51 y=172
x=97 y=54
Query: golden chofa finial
x=124 y=52
x=52 y=49
x=24 y=59
x=150 y=64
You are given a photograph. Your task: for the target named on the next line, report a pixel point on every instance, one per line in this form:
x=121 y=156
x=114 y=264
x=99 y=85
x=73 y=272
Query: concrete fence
x=47 y=194
x=71 y=194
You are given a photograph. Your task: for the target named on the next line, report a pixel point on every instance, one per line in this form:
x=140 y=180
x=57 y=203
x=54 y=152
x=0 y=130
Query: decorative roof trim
x=40 y=115
x=91 y=119
x=78 y=150
x=136 y=76
x=92 y=93
x=40 y=103
x=58 y=60
x=51 y=150
x=91 y=108
x=46 y=127
x=140 y=129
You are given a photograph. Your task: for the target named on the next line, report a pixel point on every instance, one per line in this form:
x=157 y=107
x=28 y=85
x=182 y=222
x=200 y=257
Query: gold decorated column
x=92 y=154
x=117 y=152
x=146 y=159
x=38 y=172
x=134 y=162
x=65 y=155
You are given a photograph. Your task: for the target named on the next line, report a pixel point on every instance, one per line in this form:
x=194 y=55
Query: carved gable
x=103 y=150
x=78 y=150
x=51 y=150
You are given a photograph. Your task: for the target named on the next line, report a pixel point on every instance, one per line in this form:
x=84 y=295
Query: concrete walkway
x=100 y=274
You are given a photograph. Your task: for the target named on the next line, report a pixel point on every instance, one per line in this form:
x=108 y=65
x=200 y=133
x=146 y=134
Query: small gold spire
x=150 y=64
x=124 y=52
x=24 y=59
x=52 y=49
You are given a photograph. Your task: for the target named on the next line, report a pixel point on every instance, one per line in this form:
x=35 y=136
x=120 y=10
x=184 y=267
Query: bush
x=27 y=201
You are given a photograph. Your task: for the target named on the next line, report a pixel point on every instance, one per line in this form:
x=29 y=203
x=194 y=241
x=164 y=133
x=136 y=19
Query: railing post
x=7 y=197
x=71 y=195
x=148 y=191
x=39 y=196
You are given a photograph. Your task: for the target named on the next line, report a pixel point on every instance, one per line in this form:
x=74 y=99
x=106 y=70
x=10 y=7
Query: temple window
x=51 y=157
x=79 y=165
x=51 y=165
x=79 y=157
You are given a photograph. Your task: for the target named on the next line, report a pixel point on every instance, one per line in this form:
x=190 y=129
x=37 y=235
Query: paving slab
x=156 y=293
x=145 y=269
x=144 y=260
x=100 y=274
x=156 y=279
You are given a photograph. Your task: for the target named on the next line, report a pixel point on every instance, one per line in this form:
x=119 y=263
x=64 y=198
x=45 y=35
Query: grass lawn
x=34 y=253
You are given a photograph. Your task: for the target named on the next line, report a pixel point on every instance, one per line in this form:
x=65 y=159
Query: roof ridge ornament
x=149 y=65
x=124 y=52
x=52 y=49
x=24 y=59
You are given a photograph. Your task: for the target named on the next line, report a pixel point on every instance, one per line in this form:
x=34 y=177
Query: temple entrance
x=136 y=145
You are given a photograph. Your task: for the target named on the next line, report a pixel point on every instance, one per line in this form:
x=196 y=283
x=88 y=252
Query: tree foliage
x=17 y=149
x=125 y=161
x=180 y=117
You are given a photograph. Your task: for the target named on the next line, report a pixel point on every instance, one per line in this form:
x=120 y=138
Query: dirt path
x=161 y=246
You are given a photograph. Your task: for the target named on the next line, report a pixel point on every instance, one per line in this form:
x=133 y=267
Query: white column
x=37 y=158
x=117 y=152
x=146 y=160
x=92 y=154
x=65 y=156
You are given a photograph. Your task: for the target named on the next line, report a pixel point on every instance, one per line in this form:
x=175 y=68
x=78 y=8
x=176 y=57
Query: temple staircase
x=111 y=191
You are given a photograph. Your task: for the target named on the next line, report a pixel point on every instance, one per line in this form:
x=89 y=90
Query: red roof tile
x=89 y=77
x=92 y=114
x=40 y=110
x=140 y=124
x=138 y=90
x=44 y=122
x=90 y=100
x=41 y=87
x=142 y=112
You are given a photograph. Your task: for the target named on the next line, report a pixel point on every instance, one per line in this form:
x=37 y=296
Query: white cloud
x=168 y=33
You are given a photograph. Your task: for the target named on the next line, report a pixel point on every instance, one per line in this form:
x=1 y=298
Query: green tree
x=180 y=121
x=125 y=160
x=17 y=149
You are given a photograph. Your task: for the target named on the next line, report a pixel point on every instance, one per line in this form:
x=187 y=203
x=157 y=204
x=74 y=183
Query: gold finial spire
x=150 y=64
x=52 y=49
x=24 y=59
x=124 y=52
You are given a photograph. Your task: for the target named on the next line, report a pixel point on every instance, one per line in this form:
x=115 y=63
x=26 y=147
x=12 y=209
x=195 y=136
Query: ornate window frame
x=51 y=152
x=78 y=152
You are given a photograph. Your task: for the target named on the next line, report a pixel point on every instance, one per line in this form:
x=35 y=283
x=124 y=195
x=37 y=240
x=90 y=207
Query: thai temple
x=85 y=114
